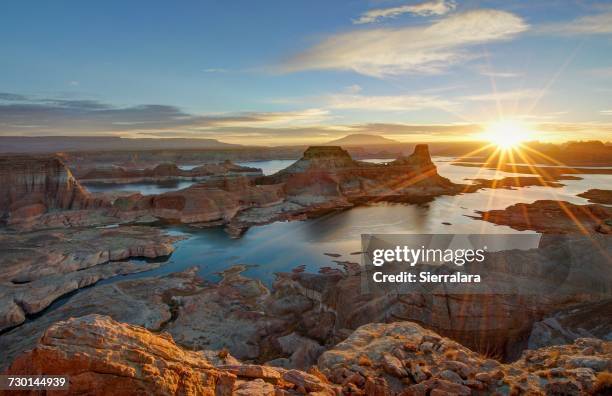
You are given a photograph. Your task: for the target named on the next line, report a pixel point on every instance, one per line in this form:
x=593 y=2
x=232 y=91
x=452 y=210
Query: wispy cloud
x=503 y=95
x=61 y=116
x=422 y=49
x=586 y=25
x=436 y=7
x=489 y=72
x=606 y=112
x=387 y=103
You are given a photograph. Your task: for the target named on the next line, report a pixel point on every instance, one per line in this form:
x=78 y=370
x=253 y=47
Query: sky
x=295 y=72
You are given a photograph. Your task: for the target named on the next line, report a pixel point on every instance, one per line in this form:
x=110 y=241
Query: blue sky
x=278 y=72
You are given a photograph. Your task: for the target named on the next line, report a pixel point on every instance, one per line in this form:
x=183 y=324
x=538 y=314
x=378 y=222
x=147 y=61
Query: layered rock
x=103 y=356
x=213 y=201
x=166 y=172
x=403 y=358
x=597 y=195
x=39 y=267
x=519 y=289
x=32 y=186
x=326 y=179
x=565 y=326
x=107 y=357
x=553 y=217
x=329 y=171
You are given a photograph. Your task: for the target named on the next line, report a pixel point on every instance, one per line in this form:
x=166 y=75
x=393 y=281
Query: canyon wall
x=31 y=186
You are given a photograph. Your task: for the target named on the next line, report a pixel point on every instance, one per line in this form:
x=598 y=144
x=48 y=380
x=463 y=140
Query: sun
x=506 y=135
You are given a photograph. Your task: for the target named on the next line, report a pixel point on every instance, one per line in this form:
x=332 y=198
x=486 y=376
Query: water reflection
x=282 y=246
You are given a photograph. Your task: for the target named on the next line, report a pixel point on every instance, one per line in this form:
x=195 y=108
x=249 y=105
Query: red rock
x=30 y=186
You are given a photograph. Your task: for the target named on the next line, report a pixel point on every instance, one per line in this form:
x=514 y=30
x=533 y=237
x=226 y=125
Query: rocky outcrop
x=597 y=195
x=213 y=201
x=565 y=326
x=403 y=358
x=39 y=267
x=305 y=313
x=106 y=357
x=166 y=172
x=330 y=172
x=32 y=186
x=327 y=179
x=553 y=217
x=519 y=288
x=149 y=302
x=103 y=356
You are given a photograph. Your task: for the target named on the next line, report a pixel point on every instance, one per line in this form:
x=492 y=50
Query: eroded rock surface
x=527 y=286
x=590 y=320
x=38 y=267
x=33 y=186
x=403 y=358
x=144 y=302
x=553 y=217
x=104 y=356
x=165 y=172
x=597 y=195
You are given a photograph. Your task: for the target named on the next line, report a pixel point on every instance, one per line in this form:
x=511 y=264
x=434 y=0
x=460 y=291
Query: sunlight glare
x=506 y=134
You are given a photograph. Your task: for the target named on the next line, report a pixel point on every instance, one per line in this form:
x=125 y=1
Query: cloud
x=606 y=112
x=436 y=7
x=60 y=116
x=503 y=95
x=603 y=72
x=486 y=71
x=386 y=103
x=422 y=49
x=585 y=25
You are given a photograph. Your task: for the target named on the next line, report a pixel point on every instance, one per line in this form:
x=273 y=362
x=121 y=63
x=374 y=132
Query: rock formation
x=553 y=217
x=523 y=287
x=213 y=201
x=103 y=356
x=165 y=172
x=403 y=358
x=565 y=326
x=326 y=178
x=597 y=195
x=39 y=267
x=107 y=357
x=329 y=171
x=32 y=186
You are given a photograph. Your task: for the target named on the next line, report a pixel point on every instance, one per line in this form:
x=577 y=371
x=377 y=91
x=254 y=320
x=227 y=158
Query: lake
x=282 y=246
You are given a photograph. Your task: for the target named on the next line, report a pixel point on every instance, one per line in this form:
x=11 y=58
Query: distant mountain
x=52 y=144
x=361 y=140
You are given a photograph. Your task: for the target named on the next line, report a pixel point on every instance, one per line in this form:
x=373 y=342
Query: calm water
x=282 y=246
x=145 y=188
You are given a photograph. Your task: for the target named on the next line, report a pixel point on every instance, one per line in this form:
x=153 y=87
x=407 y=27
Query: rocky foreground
x=38 y=267
x=542 y=299
x=102 y=356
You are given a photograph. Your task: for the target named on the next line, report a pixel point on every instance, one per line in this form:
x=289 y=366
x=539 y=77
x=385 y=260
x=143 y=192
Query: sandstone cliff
x=214 y=201
x=32 y=186
x=330 y=171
